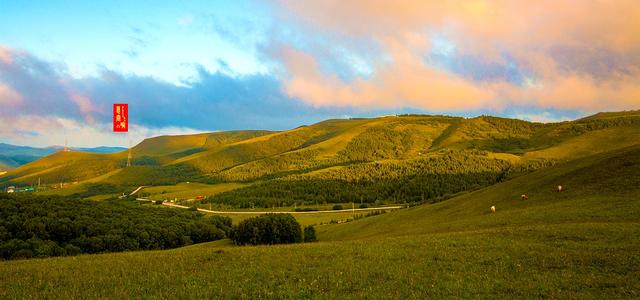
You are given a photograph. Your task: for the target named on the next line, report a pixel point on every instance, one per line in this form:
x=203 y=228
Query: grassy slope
x=80 y=166
x=188 y=190
x=66 y=167
x=171 y=148
x=590 y=143
x=249 y=155
x=601 y=188
x=581 y=243
x=608 y=115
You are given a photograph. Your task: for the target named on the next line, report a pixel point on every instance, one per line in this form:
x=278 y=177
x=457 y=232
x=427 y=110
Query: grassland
x=557 y=261
x=183 y=191
x=580 y=243
x=319 y=218
x=250 y=156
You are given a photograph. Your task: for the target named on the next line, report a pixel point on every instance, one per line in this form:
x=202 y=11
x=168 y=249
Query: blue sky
x=193 y=66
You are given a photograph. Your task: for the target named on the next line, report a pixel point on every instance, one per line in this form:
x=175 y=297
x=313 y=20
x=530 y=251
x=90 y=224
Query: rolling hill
x=406 y=158
x=579 y=243
x=12 y=156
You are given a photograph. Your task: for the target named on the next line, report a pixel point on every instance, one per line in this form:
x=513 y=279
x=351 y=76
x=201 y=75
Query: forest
x=422 y=180
x=43 y=226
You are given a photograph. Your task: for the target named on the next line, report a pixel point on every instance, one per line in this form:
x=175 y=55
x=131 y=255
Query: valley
x=432 y=179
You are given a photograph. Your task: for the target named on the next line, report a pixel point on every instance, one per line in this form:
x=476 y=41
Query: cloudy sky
x=205 y=65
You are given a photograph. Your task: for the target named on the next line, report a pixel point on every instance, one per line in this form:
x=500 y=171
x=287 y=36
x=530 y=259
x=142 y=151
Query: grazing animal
x=493 y=209
x=559 y=188
x=524 y=197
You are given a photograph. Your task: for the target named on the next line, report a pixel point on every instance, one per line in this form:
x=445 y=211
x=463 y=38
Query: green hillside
x=578 y=243
x=405 y=158
x=602 y=188
x=170 y=148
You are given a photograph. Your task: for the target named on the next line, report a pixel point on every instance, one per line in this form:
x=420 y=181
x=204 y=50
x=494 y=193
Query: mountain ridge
x=13 y=156
x=288 y=159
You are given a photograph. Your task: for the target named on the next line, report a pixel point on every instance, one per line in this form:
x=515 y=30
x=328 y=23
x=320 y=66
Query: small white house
x=11 y=189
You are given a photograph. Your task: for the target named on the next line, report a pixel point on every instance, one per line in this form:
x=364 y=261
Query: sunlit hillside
x=578 y=243
x=406 y=158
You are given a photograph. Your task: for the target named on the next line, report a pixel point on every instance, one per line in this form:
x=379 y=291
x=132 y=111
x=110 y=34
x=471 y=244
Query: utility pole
x=129 y=156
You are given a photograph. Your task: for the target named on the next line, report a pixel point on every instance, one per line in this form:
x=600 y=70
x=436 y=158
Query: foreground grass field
x=581 y=243
x=586 y=260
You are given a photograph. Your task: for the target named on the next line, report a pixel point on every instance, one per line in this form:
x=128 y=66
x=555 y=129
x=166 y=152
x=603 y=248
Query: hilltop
x=12 y=156
x=407 y=158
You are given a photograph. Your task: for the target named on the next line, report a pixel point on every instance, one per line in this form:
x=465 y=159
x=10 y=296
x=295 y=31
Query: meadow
x=579 y=243
x=184 y=191
x=558 y=261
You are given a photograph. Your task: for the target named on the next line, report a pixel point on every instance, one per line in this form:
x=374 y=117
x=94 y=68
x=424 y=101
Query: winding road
x=275 y=212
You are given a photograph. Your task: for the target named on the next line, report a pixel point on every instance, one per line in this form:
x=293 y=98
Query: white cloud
x=50 y=131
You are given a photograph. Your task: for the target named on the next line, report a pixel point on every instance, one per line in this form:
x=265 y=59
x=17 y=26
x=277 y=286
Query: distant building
x=13 y=189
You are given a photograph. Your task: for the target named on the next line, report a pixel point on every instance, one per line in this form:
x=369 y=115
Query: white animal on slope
x=493 y=209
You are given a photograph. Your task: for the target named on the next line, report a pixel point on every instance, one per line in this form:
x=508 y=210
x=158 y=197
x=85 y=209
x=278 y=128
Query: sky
x=197 y=66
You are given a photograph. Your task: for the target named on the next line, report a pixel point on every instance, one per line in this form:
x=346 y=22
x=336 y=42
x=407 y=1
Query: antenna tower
x=129 y=156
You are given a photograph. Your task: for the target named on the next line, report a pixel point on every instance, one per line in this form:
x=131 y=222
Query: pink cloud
x=406 y=83
x=9 y=97
x=85 y=105
x=598 y=68
x=5 y=55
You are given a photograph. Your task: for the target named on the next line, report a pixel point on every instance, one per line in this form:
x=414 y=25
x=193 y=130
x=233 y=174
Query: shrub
x=337 y=207
x=305 y=209
x=310 y=234
x=267 y=229
x=364 y=205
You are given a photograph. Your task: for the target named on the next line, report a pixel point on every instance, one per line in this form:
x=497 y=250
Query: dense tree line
x=39 y=226
x=268 y=229
x=377 y=143
x=245 y=152
x=98 y=189
x=154 y=175
x=428 y=179
x=393 y=190
x=278 y=166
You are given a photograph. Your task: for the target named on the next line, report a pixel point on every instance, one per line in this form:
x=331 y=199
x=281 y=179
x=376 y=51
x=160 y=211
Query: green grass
x=590 y=143
x=188 y=190
x=307 y=219
x=261 y=155
x=558 y=261
x=601 y=188
x=581 y=243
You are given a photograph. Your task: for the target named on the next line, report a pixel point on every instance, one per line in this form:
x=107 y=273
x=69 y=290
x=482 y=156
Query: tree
x=310 y=234
x=268 y=229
